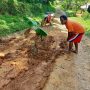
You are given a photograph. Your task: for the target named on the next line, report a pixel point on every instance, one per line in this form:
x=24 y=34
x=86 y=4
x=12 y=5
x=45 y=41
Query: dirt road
x=26 y=62
x=72 y=71
x=22 y=67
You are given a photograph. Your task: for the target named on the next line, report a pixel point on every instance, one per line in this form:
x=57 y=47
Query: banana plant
x=40 y=32
x=30 y=22
x=33 y=24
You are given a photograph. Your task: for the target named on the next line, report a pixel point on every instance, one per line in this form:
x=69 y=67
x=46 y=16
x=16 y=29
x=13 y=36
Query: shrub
x=70 y=13
x=86 y=15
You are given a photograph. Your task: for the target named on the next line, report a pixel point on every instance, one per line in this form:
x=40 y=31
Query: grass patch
x=11 y=24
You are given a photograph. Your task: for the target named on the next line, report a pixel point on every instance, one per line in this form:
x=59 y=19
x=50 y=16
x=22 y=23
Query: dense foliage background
x=12 y=12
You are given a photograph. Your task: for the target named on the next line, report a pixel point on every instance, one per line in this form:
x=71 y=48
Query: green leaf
x=30 y=22
x=40 y=32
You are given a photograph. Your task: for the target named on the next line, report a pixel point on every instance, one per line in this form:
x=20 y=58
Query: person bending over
x=75 y=32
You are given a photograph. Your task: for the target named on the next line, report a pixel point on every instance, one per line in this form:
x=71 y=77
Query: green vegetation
x=11 y=24
x=13 y=13
x=41 y=33
x=85 y=21
x=72 y=7
x=70 y=13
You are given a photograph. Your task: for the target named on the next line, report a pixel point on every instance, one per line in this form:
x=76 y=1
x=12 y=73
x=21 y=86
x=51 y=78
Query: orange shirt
x=74 y=27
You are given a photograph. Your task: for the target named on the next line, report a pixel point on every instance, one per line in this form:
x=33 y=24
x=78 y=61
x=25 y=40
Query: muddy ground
x=26 y=62
x=71 y=71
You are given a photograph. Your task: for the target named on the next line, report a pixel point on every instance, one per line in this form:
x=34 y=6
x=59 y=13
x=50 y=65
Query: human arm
x=70 y=34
